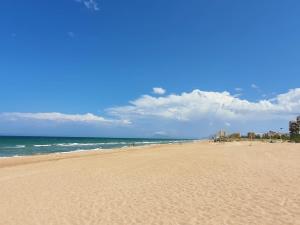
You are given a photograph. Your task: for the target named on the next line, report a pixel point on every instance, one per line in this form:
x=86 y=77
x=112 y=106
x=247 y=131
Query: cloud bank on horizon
x=181 y=114
x=60 y=117
x=203 y=104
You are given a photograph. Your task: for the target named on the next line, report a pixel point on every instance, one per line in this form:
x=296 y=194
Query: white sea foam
x=78 y=144
x=42 y=145
x=79 y=150
x=149 y=142
x=13 y=156
x=14 y=147
x=90 y=144
x=112 y=143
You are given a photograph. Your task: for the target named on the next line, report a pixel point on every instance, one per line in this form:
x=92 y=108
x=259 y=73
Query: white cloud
x=238 y=89
x=237 y=95
x=90 y=4
x=189 y=114
x=197 y=105
x=60 y=117
x=254 y=86
x=159 y=91
x=227 y=124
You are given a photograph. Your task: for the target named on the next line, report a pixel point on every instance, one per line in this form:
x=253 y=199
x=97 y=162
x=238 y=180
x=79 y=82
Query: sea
x=12 y=146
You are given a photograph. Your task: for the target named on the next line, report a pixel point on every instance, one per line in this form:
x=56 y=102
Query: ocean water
x=23 y=146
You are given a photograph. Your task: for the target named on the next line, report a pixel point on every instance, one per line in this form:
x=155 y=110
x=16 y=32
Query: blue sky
x=74 y=57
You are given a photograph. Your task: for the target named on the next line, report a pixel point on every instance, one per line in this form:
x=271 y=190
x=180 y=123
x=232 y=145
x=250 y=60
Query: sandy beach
x=203 y=183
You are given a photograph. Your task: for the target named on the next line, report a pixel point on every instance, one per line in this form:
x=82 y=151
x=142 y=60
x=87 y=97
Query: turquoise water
x=22 y=146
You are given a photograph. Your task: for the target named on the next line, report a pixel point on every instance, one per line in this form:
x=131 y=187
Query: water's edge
x=30 y=146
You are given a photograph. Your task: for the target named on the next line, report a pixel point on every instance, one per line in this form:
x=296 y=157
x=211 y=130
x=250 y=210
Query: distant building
x=251 y=135
x=272 y=134
x=259 y=135
x=221 y=134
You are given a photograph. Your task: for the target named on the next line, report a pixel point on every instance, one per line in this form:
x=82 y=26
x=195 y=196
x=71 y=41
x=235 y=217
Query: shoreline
x=28 y=159
x=56 y=156
x=16 y=146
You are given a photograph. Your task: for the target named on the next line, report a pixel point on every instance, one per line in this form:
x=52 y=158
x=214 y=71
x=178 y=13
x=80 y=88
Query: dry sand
x=195 y=183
